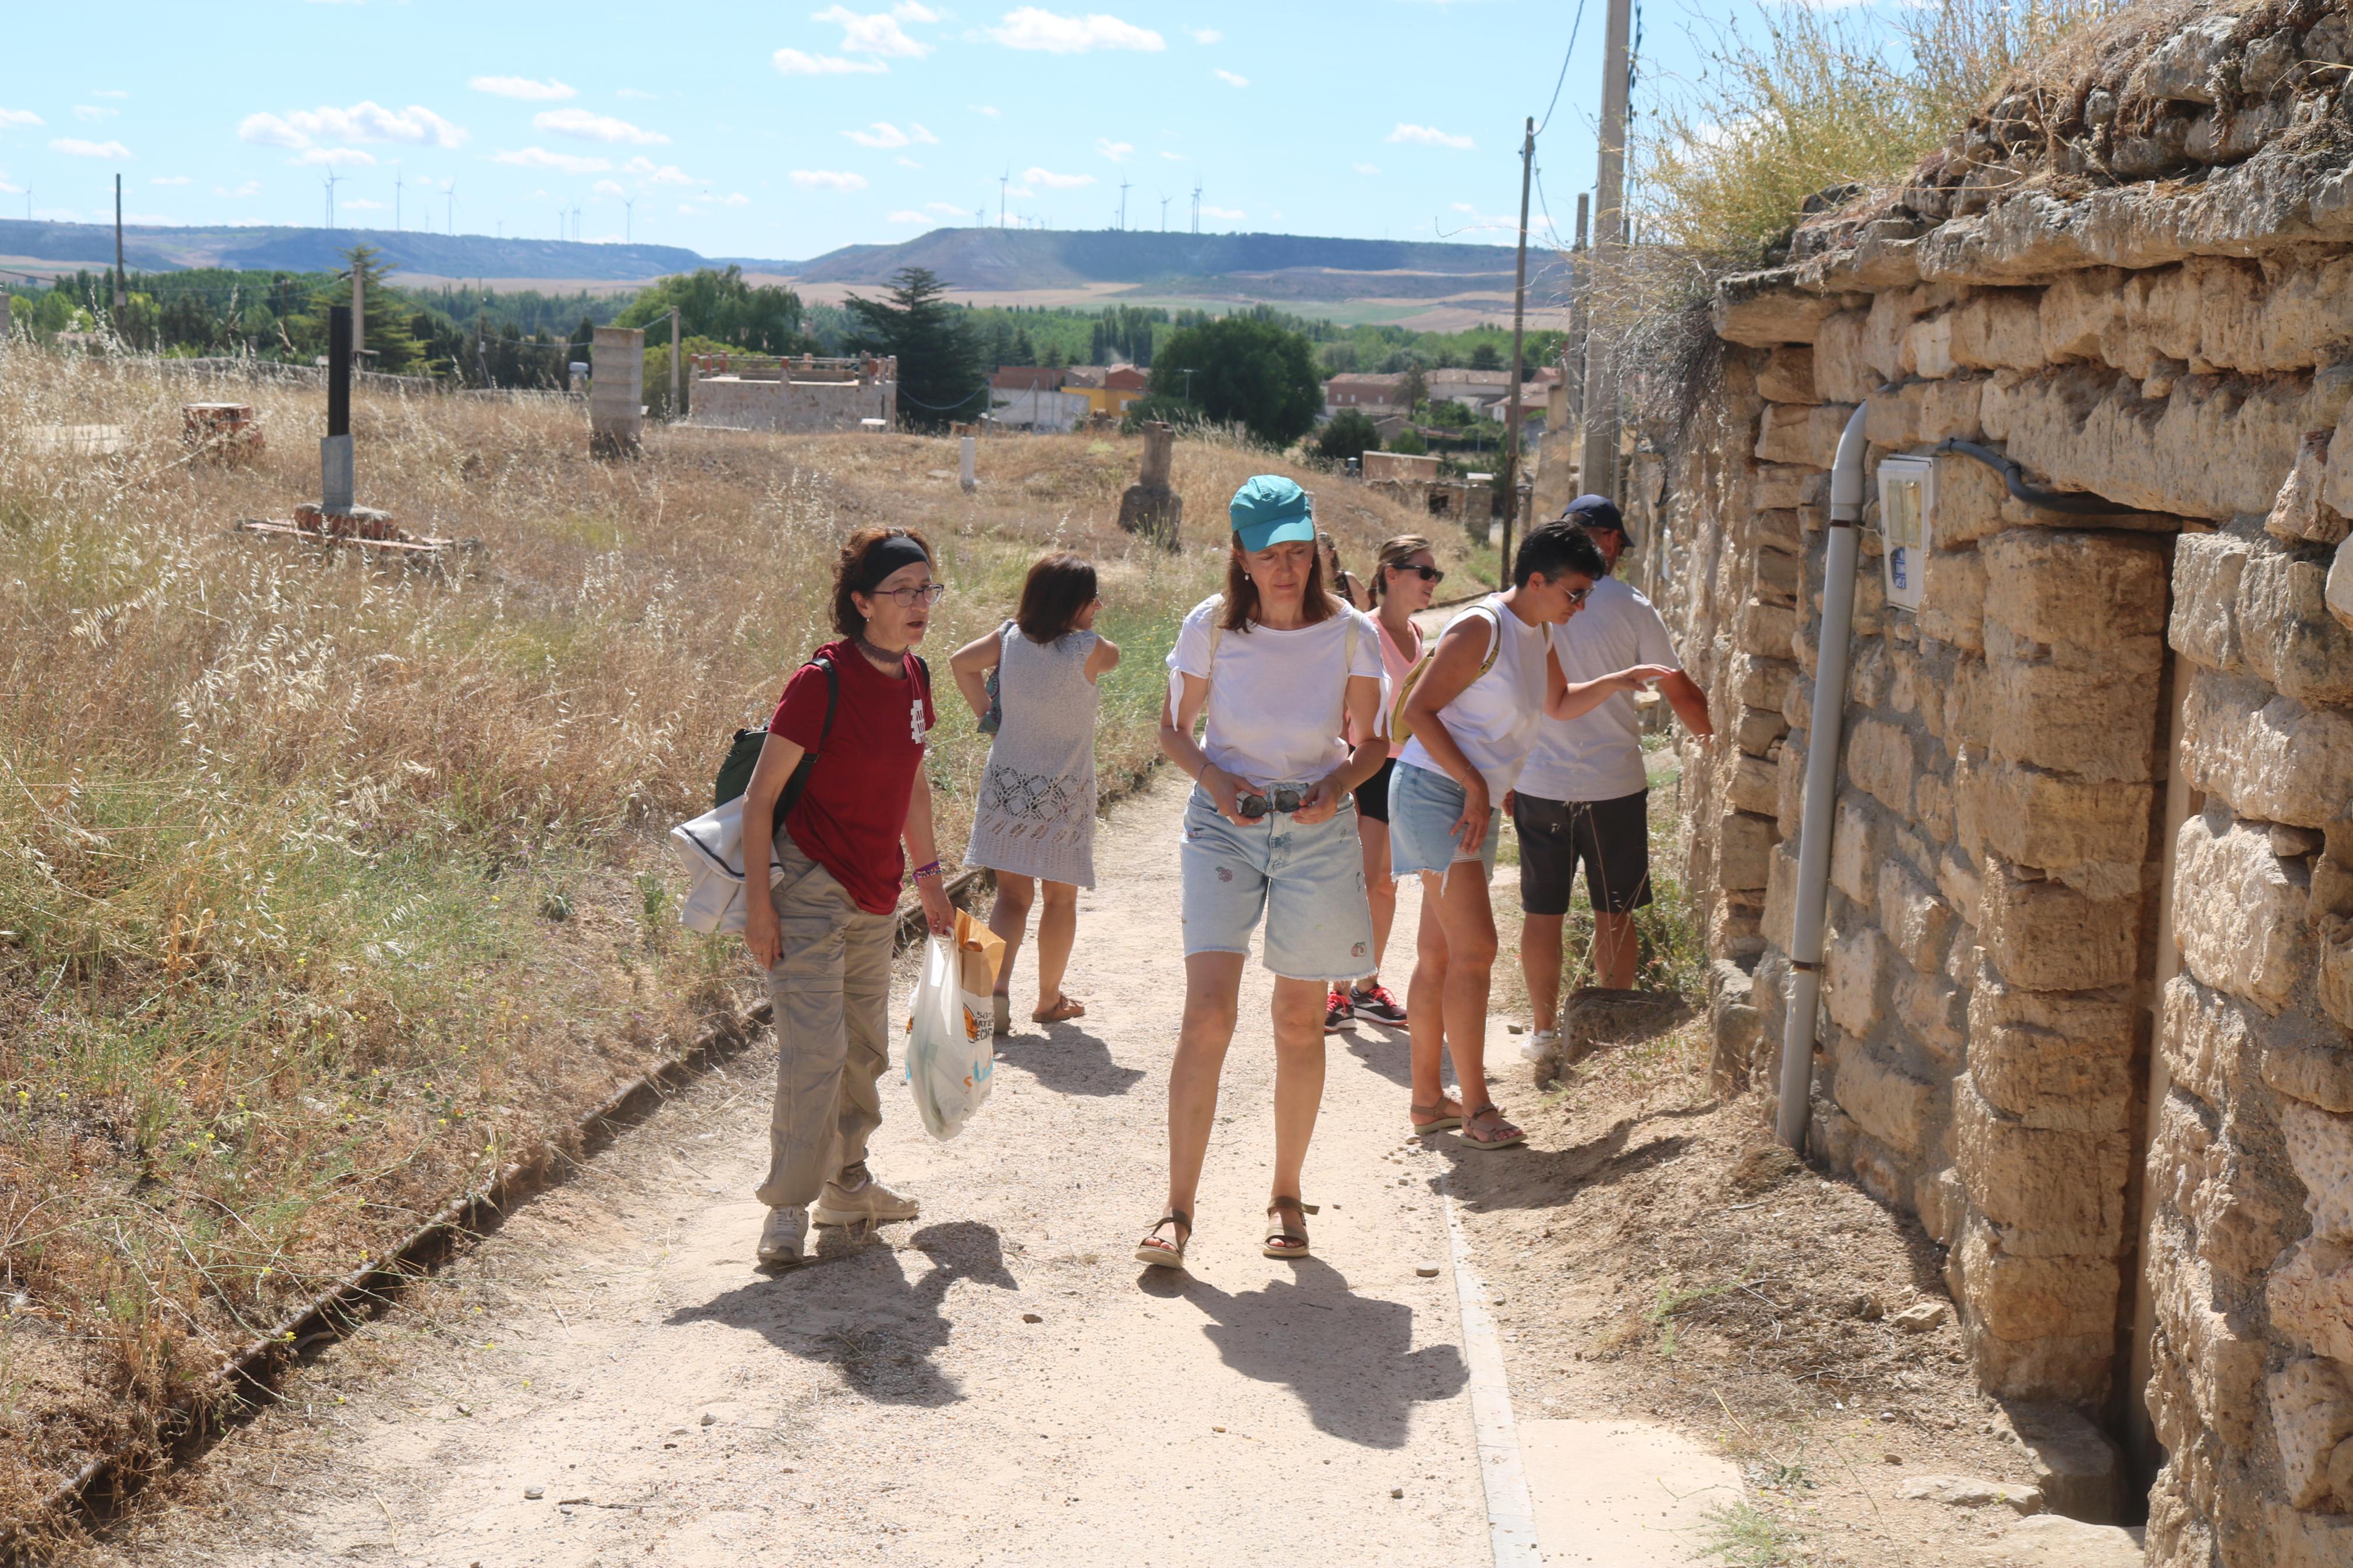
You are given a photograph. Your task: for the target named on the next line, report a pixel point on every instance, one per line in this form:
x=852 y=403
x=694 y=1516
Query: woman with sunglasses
x=861 y=705
x=1472 y=713
x=1278 y=665
x=1404 y=579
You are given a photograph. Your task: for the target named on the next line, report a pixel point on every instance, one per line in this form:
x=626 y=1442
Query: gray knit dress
x=1036 y=816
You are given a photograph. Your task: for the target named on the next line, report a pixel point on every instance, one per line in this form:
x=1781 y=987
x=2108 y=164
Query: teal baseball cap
x=1270 y=509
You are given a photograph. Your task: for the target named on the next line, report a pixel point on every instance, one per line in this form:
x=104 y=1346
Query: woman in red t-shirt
x=824 y=935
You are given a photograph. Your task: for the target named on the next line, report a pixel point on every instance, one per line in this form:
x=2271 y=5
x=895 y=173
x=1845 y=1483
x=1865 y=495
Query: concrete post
x=676 y=408
x=335 y=475
x=1160 y=452
x=965 y=476
x=616 y=390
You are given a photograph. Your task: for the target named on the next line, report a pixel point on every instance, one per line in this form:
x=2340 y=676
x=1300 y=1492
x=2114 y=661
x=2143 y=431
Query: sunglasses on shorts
x=1284 y=798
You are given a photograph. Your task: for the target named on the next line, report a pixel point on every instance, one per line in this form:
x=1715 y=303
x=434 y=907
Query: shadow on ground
x=858 y=1308
x=1067 y=1060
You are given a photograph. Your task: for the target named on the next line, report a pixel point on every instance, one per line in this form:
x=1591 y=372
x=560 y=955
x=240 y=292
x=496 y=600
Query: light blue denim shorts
x=1308 y=881
x=1423 y=809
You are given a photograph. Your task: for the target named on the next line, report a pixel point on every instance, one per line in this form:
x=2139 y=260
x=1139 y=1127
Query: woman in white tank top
x=1473 y=712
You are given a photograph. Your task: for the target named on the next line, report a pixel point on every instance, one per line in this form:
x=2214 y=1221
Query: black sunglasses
x=1426 y=573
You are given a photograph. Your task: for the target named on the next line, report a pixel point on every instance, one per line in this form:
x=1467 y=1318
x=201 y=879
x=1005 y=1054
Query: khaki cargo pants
x=831 y=990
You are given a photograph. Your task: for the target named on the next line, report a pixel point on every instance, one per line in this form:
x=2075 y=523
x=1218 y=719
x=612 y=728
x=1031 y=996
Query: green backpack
x=743 y=751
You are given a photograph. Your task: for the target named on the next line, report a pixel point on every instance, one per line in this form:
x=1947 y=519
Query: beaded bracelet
x=933 y=869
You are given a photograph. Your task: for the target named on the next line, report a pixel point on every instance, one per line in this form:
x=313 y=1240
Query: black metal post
x=339 y=370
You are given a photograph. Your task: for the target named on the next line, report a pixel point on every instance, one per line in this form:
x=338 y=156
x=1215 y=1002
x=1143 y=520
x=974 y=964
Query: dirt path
x=995 y=1383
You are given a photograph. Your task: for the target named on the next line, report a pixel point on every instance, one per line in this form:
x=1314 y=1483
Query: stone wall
x=805 y=408
x=2089 y=971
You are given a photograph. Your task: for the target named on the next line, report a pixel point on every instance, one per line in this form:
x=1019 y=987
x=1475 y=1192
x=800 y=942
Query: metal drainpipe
x=1824 y=722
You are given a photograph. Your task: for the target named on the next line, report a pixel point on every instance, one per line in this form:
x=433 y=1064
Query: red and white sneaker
x=1377 y=1004
x=1336 y=1011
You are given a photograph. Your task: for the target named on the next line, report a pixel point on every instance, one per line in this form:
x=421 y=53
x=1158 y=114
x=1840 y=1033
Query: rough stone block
x=2317 y=1070
x=1787 y=375
x=1969 y=499
x=2092 y=836
x=1917 y=923
x=1789 y=790
x=1840 y=373
x=1952 y=598
x=2078 y=1468
x=1755 y=730
x=2097 y=725
x=1928 y=346
x=1957 y=880
x=1794 y=433
x=1968 y=709
x=2205 y=624
x=1780 y=896
x=2337 y=592
x=2272 y=758
x=2238 y=910
x=2298 y=515
x=2068 y=1300
x=1761 y=681
x=2056 y=1060
x=2295 y=1539
x=2215 y=448
x=1778 y=579
x=1933 y=1013
x=1884 y=1101
x=2335 y=981
x=2312 y=1411
x=1998 y=330
x=2047 y=936
x=2210 y=1040
x=1744 y=848
x=2286 y=633
x=1854 y=969
x=1892 y=313
x=1765 y=630
x=1761 y=310
x=1858 y=842
x=1932 y=807
x=2221 y=1355
x=1777 y=489
x=1798 y=703
x=1754 y=786
x=1942 y=1206
x=1879 y=760
x=2311 y=1297
x=2320 y=1149
x=2102 y=591
x=2052 y=1192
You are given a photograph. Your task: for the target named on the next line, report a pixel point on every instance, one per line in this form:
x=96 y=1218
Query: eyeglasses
x=1284 y=798
x=1576 y=596
x=1426 y=573
x=908 y=598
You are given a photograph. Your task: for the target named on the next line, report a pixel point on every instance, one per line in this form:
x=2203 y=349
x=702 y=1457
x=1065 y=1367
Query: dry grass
x=326 y=889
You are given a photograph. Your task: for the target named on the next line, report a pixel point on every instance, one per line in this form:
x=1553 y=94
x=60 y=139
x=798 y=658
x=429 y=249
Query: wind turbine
x=1163 y=215
x=395 y=204
x=449 y=205
x=1197 y=206
x=329 y=180
x=1122 y=203
x=1003 y=180
x=628 y=220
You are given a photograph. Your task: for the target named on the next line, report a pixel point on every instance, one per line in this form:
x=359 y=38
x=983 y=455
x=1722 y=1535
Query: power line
x=1562 y=79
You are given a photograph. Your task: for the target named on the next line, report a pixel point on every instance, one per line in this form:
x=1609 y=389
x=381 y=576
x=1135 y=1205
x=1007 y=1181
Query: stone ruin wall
x=2102 y=1048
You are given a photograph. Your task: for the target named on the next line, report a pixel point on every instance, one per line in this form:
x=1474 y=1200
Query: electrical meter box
x=1907 y=493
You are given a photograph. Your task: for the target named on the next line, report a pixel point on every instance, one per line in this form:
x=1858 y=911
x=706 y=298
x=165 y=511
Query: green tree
x=1410 y=442
x=1244 y=368
x=391 y=348
x=940 y=374
x=764 y=319
x=1351 y=434
x=1486 y=356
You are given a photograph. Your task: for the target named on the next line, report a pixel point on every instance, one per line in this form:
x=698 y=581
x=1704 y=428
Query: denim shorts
x=1423 y=809
x=1308 y=881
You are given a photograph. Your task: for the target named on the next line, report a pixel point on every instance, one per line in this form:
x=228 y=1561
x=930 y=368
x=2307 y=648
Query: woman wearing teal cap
x=1276 y=663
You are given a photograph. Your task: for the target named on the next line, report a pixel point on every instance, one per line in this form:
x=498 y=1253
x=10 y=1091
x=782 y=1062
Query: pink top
x=1396 y=665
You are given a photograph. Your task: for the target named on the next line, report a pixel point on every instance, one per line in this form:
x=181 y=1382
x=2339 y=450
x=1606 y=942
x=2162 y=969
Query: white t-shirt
x=1494 y=720
x=1598 y=755
x=1276 y=697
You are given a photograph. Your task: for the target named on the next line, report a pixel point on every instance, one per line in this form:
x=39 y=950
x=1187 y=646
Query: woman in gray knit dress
x=1035 y=821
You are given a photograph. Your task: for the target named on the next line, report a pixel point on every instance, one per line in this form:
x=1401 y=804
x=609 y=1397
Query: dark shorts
x=1612 y=839
x=1372 y=794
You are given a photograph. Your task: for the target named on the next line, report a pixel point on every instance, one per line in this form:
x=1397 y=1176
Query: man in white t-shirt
x=1584 y=797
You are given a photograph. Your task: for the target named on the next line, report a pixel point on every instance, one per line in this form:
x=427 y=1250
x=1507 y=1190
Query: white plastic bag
x=951 y=1043
x=710 y=849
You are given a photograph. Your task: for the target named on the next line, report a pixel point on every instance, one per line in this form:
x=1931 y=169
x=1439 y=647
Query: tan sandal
x=1447 y=1116
x=1504 y=1136
x=1169 y=1254
x=1063 y=1010
x=1284 y=1239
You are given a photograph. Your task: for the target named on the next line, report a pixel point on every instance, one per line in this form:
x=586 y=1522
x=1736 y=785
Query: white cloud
x=829 y=180
x=949 y=208
x=1117 y=152
x=523 y=86
x=1231 y=215
x=645 y=169
x=8 y=190
x=736 y=199
x=880 y=33
x=987 y=109
x=9 y=117
x=1230 y=79
x=609 y=188
x=634 y=92
x=1464 y=207
x=361 y=204
x=690 y=209
x=792 y=62
x=169 y=180
x=540 y=158
x=1174 y=157
x=1054 y=182
x=885 y=135
x=1032 y=27
x=90 y=113
x=1207 y=36
x=250 y=188
x=590 y=127
x=81 y=149
x=1024 y=192
x=415 y=126
x=334 y=157
x=910 y=217
x=1429 y=136
x=1367 y=168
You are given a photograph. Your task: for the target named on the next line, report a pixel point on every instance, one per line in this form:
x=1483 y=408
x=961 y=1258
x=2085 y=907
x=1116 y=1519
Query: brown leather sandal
x=1284 y=1239
x=1486 y=1129
x=1170 y=1253
x=1444 y=1116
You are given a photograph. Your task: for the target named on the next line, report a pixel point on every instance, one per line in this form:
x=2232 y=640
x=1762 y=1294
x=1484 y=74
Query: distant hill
x=157 y=249
x=996 y=260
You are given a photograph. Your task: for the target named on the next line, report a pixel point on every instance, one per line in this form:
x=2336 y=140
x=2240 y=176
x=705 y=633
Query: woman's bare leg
x=1425 y=995
x=1213 y=982
x=1380 y=890
x=1008 y=917
x=1058 y=931
x=1298 y=1075
x=1467 y=933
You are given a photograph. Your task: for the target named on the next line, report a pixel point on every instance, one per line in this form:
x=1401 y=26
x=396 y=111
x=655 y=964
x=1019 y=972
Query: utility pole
x=359 y=311
x=1519 y=324
x=1599 y=475
x=675 y=411
x=121 y=286
x=1578 y=264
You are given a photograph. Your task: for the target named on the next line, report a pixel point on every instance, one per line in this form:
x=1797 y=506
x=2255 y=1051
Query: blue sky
x=784 y=131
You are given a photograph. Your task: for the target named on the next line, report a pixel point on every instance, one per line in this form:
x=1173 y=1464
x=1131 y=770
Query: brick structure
x=804 y=396
x=2088 y=999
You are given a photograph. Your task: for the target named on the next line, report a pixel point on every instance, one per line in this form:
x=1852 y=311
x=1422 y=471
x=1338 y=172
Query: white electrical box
x=1907 y=494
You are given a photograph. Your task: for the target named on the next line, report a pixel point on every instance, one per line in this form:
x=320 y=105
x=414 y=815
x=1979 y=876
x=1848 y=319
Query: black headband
x=885 y=556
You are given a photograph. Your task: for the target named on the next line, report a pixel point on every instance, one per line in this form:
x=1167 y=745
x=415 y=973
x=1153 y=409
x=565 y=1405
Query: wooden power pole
x=1519 y=324
x=677 y=411
x=1599 y=476
x=121 y=285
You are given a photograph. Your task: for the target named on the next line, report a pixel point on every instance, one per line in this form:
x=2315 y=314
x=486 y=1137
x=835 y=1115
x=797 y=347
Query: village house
x=1108 y=389
x=1031 y=397
x=1375 y=397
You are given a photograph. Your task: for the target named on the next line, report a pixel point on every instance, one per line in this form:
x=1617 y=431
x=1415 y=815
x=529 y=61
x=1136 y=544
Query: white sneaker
x=865 y=1202
x=784 y=1239
x=1543 y=1043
